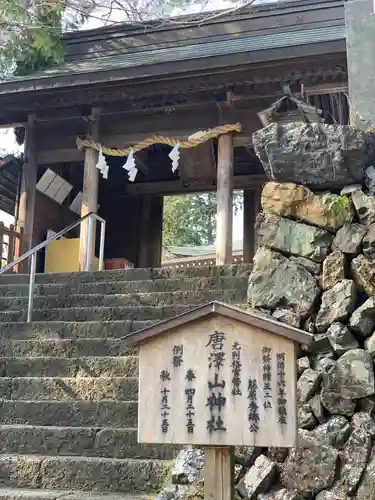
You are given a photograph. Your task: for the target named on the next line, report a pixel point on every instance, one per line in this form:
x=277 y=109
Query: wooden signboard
x=218 y=376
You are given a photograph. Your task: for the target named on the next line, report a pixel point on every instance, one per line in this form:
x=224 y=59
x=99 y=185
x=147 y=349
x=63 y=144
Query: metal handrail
x=89 y=253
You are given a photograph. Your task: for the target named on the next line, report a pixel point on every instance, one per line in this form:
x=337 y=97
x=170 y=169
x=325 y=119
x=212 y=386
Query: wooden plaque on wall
x=218 y=376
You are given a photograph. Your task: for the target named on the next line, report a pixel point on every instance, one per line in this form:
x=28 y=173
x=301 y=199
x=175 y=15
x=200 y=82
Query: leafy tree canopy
x=190 y=220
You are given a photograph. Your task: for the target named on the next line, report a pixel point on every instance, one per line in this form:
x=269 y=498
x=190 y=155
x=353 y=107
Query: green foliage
x=30 y=39
x=190 y=220
x=339 y=206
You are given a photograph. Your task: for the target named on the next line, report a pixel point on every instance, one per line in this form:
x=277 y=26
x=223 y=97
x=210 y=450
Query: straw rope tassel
x=158 y=139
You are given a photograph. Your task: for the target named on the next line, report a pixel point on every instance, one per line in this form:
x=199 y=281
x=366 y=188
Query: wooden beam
x=224 y=222
x=191 y=185
x=26 y=207
x=251 y=208
x=89 y=194
x=199 y=162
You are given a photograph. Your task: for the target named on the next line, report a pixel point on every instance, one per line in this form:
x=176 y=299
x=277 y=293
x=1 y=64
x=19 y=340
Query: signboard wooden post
x=218 y=377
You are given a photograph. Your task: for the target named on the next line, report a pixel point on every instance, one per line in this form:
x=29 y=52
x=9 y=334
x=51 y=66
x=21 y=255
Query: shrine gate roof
x=260 y=34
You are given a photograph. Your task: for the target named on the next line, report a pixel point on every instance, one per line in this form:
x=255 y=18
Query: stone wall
x=315 y=269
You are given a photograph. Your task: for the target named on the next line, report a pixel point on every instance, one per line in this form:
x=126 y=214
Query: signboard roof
x=250 y=318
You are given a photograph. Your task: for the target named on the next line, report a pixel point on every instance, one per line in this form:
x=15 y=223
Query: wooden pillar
x=90 y=190
x=151 y=234
x=251 y=208
x=218 y=473
x=27 y=194
x=224 y=200
x=145 y=231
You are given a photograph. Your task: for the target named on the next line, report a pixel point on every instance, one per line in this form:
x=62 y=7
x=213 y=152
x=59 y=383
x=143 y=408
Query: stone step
x=123 y=287
x=135 y=274
x=126 y=366
x=80 y=441
x=70 y=329
x=67 y=413
x=139 y=313
x=124 y=300
x=81 y=473
x=69 y=389
x=38 y=494
x=70 y=348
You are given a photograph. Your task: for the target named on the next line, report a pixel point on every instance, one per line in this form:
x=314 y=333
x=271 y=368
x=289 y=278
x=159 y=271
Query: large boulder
x=333 y=269
x=337 y=304
x=311 y=469
x=293 y=201
x=246 y=455
x=314 y=154
x=313 y=267
x=366 y=489
x=370 y=344
x=336 y=494
x=279 y=494
x=349 y=238
x=364 y=206
x=354 y=459
x=363 y=271
x=341 y=338
x=288 y=317
x=307 y=385
x=334 y=432
x=294 y=238
x=188 y=466
x=337 y=405
x=316 y=406
x=305 y=417
x=278 y=282
x=351 y=378
x=258 y=478
x=302 y=365
x=364 y=421
x=362 y=320
x=368 y=243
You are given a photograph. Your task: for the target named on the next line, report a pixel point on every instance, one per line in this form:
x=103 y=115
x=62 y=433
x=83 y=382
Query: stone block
x=337 y=304
x=276 y=280
x=349 y=238
x=102 y=474
x=365 y=207
x=294 y=201
x=294 y=238
x=70 y=413
x=68 y=389
x=314 y=154
x=309 y=470
x=333 y=269
x=258 y=478
x=363 y=271
x=362 y=320
x=352 y=377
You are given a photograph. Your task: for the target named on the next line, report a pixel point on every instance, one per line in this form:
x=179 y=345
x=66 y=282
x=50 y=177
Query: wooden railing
x=9 y=244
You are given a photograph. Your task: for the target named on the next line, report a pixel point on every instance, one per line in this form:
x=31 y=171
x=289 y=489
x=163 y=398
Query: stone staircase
x=68 y=383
